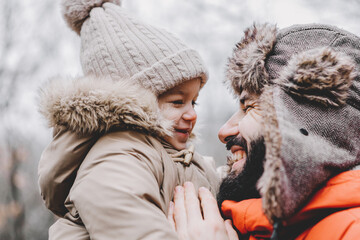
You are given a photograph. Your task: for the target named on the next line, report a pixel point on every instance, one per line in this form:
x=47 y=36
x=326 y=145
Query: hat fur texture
x=76 y=12
x=246 y=68
x=320 y=75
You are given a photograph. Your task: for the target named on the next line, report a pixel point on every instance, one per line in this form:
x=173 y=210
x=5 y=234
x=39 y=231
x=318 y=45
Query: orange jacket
x=332 y=213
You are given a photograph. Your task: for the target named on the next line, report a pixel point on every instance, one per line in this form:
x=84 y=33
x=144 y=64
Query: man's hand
x=192 y=219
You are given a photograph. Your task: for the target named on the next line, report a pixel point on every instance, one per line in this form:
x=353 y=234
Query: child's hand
x=192 y=221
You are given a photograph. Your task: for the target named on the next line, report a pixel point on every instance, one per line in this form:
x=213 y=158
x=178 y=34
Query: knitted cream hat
x=115 y=44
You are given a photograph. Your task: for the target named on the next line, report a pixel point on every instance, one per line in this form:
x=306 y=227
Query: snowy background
x=36 y=44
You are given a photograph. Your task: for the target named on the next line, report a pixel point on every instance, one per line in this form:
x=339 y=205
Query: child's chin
x=179 y=145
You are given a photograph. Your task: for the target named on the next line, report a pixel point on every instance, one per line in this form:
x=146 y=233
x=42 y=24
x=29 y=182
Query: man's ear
x=322 y=75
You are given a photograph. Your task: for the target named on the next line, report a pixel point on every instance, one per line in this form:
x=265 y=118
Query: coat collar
x=92 y=105
x=340 y=192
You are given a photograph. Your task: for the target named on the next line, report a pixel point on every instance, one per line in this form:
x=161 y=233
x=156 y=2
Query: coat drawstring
x=184 y=156
x=276 y=228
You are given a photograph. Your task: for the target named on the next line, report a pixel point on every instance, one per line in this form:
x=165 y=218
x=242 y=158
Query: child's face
x=177 y=104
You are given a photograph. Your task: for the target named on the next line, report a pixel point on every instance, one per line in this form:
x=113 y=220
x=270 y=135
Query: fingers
x=180 y=217
x=230 y=230
x=192 y=204
x=186 y=217
x=209 y=205
x=170 y=216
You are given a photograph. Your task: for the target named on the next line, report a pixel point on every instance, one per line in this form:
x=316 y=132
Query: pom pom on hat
x=77 y=11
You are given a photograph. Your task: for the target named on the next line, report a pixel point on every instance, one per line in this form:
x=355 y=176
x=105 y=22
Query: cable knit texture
x=115 y=44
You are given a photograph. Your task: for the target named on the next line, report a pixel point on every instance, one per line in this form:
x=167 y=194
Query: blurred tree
x=32 y=40
x=13 y=214
x=12 y=217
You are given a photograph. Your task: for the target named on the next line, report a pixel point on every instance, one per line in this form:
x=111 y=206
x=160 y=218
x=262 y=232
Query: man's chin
x=240 y=184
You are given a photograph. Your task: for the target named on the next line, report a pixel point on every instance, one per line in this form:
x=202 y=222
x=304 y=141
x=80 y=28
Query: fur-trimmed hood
x=95 y=105
x=308 y=78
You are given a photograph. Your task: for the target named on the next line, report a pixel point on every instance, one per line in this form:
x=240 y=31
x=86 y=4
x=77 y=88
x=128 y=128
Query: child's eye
x=194 y=103
x=177 y=102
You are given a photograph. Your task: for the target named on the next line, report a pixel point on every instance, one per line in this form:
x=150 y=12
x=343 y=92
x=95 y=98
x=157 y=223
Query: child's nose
x=190 y=114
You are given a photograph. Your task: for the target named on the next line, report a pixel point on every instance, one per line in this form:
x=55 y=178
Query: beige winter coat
x=106 y=173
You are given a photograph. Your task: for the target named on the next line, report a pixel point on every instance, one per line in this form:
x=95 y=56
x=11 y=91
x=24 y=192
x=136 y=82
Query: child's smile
x=177 y=105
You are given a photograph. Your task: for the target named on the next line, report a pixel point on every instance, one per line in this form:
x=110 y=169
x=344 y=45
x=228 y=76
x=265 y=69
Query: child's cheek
x=170 y=112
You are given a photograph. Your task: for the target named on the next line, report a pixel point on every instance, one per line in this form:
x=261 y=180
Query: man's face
x=242 y=134
x=244 y=126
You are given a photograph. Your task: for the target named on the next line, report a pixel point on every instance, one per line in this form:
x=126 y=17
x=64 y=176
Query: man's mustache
x=237 y=141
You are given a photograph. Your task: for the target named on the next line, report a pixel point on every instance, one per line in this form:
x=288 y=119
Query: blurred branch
x=223 y=10
x=7 y=92
x=26 y=65
x=18 y=66
x=19 y=216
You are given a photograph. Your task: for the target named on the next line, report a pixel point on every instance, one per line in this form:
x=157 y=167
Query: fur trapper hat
x=309 y=85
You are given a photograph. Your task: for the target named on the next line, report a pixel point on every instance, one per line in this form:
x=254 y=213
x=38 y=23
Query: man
x=295 y=141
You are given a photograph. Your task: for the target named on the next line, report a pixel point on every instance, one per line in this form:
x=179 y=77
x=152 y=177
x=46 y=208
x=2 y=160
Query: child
x=121 y=132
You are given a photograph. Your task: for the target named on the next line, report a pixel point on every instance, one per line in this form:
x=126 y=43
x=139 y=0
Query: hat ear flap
x=322 y=75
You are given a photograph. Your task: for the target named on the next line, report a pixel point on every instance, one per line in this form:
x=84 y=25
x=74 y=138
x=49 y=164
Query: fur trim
x=322 y=75
x=269 y=184
x=91 y=105
x=77 y=11
x=246 y=68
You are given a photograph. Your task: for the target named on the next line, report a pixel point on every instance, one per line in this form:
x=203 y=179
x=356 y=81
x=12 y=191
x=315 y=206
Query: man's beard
x=242 y=186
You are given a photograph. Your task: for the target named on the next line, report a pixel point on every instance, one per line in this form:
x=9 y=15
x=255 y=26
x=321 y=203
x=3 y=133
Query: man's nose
x=228 y=130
